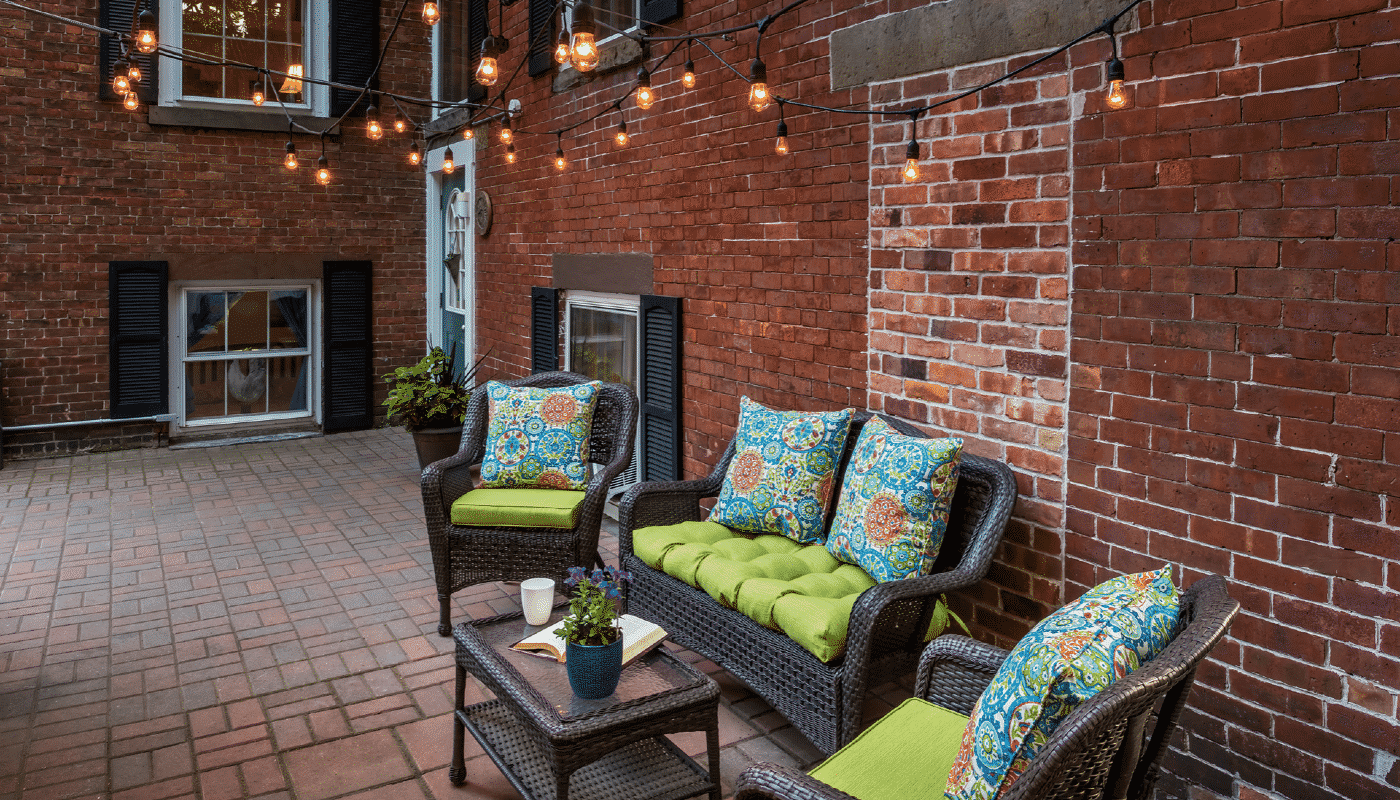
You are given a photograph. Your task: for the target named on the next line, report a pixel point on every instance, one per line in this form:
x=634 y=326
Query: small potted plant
x=430 y=398
x=592 y=637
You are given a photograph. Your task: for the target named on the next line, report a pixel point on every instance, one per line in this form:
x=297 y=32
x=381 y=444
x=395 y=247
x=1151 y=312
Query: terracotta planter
x=435 y=444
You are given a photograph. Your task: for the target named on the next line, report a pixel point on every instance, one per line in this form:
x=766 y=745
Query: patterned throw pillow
x=783 y=468
x=1066 y=659
x=894 y=502
x=538 y=437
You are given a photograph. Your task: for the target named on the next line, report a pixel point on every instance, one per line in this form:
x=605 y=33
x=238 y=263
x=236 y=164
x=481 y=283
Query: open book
x=638 y=637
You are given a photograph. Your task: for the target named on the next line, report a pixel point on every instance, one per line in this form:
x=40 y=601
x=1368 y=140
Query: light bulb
x=132 y=102
x=258 y=97
x=911 y=162
x=645 y=96
x=621 y=136
x=561 y=47
x=759 y=97
x=400 y=124
x=415 y=156
x=290 y=159
x=430 y=12
x=121 y=82
x=133 y=73
x=448 y=167
x=559 y=161
x=146 y=32
x=507 y=135
x=487 y=72
x=323 y=171
x=688 y=78
x=373 y=129
x=781 y=145
x=583 y=48
x=510 y=154
x=1116 y=97
x=468 y=133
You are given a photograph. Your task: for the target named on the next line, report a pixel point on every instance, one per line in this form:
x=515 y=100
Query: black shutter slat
x=116 y=15
x=354 y=50
x=138 y=339
x=660 y=388
x=541 y=36
x=476 y=33
x=659 y=11
x=348 y=402
x=544 y=329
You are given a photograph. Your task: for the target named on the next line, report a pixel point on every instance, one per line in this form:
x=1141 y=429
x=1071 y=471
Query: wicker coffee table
x=552 y=745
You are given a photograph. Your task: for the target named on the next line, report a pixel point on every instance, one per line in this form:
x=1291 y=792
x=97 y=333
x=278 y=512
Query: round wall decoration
x=483 y=212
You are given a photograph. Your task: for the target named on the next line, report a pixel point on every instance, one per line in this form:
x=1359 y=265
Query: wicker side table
x=552 y=745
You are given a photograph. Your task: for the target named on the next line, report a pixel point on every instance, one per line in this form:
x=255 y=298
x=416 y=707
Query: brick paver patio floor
x=251 y=621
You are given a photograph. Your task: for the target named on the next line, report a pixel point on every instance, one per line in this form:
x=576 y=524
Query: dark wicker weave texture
x=887 y=624
x=467 y=556
x=1112 y=746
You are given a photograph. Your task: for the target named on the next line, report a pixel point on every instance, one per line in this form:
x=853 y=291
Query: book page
x=638 y=637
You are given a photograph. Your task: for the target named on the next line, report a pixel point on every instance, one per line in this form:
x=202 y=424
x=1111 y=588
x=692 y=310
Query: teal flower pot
x=593 y=669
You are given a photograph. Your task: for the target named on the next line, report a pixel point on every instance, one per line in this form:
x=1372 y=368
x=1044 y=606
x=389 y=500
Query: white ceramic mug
x=537 y=598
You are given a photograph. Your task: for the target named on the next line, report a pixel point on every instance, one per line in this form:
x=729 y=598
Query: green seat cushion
x=517 y=508
x=906 y=754
x=800 y=590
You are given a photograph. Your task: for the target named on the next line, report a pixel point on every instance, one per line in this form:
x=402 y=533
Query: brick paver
x=250 y=621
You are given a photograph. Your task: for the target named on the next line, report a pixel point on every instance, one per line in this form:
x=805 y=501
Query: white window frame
x=316 y=97
x=630 y=304
x=179 y=344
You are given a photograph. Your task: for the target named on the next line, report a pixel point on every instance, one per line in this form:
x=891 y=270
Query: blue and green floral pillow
x=893 y=508
x=538 y=437
x=780 y=480
x=1069 y=657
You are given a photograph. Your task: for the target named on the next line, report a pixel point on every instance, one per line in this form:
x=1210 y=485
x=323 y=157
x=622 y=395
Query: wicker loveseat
x=888 y=623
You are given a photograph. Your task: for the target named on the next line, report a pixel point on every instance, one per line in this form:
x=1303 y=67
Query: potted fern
x=430 y=399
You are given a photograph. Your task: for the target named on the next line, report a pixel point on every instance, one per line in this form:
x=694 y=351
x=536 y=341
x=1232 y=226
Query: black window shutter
x=476 y=34
x=354 y=50
x=117 y=15
x=660 y=384
x=544 y=329
x=348 y=396
x=541 y=36
x=139 y=380
x=660 y=10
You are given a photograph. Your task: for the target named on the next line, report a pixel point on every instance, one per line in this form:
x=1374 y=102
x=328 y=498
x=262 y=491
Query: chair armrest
x=443 y=482
x=775 y=781
x=954 y=671
x=660 y=503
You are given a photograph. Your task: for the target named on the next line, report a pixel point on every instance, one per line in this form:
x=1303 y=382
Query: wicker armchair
x=887 y=624
x=1110 y=747
x=465 y=556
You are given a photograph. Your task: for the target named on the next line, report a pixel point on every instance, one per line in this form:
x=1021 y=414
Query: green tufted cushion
x=906 y=754
x=517 y=508
x=800 y=590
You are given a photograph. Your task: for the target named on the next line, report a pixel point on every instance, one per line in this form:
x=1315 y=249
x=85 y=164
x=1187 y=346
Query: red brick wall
x=84 y=182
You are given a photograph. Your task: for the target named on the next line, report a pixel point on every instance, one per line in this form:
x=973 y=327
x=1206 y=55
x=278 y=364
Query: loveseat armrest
x=954 y=671
x=660 y=503
x=765 y=781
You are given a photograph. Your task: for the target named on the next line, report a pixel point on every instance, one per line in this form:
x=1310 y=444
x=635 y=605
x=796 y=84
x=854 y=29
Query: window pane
x=286 y=383
x=261 y=33
x=614 y=16
x=287 y=320
x=205 y=311
x=454 y=60
x=246 y=379
x=247 y=321
x=603 y=344
x=204 y=389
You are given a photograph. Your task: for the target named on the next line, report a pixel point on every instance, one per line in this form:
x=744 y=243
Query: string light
x=645 y=97
x=911 y=153
x=373 y=129
x=400 y=124
x=290 y=159
x=323 y=171
x=430 y=12
x=1116 y=98
x=583 y=49
x=258 y=97
x=487 y=71
x=133 y=73
x=561 y=47
x=507 y=134
x=468 y=133
x=146 y=31
x=621 y=136
x=415 y=156
x=448 y=166
x=121 y=81
x=560 y=163
x=132 y=102
x=510 y=154
x=688 y=77
x=759 y=97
